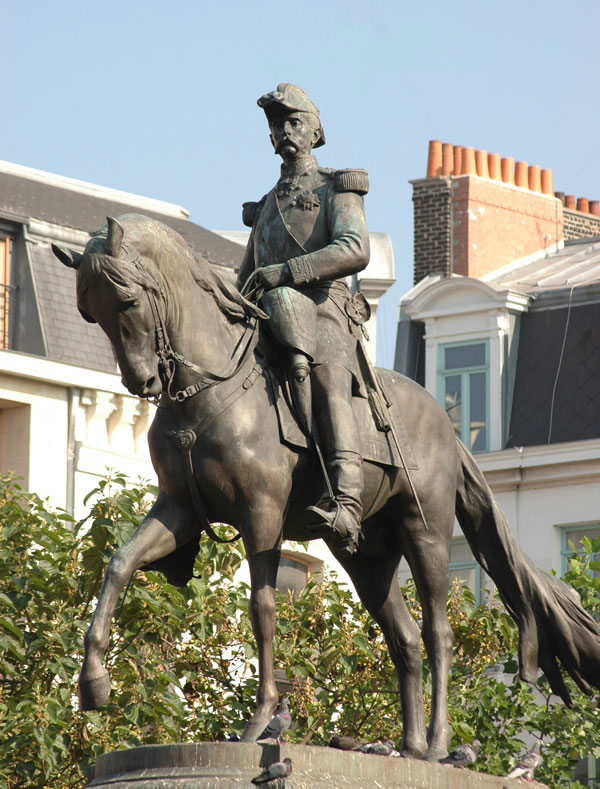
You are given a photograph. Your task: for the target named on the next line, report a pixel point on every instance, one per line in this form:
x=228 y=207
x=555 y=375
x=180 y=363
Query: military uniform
x=309 y=233
x=314 y=221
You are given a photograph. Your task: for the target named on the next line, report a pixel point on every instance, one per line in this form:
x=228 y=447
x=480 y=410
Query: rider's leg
x=340 y=443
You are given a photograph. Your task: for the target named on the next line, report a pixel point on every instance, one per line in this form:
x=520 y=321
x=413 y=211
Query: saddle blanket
x=376 y=445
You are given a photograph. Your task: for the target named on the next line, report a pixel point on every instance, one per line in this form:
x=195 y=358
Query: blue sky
x=159 y=98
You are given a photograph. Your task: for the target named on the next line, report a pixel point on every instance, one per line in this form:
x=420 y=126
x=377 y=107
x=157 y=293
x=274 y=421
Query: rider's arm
x=348 y=251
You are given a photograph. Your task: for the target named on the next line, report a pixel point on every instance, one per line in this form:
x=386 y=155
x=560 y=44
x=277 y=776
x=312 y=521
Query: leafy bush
x=183 y=661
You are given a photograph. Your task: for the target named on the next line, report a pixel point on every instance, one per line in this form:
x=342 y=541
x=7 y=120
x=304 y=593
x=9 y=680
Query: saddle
x=377 y=443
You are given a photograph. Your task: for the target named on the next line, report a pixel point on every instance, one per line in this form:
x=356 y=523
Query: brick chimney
x=475 y=212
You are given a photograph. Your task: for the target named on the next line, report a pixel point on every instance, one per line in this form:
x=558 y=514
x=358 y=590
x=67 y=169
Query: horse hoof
x=94 y=692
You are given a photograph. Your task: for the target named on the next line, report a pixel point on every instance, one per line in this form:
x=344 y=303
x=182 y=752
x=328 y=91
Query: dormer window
x=463 y=390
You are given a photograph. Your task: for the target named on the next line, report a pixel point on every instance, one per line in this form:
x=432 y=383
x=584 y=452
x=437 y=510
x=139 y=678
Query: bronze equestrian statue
x=309 y=233
x=181 y=334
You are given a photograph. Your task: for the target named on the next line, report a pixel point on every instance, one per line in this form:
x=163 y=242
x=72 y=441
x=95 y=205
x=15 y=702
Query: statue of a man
x=309 y=233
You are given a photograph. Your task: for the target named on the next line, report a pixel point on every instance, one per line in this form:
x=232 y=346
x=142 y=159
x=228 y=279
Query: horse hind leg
x=376 y=581
x=165 y=528
x=427 y=556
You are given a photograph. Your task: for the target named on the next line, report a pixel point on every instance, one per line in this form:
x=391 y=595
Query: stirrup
x=324 y=522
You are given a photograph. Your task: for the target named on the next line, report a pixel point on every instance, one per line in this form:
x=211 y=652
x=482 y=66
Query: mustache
x=284 y=144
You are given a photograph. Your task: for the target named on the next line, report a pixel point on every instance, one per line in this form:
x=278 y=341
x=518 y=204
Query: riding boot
x=338 y=519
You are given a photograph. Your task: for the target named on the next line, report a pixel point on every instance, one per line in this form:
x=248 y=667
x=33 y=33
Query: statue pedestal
x=221 y=765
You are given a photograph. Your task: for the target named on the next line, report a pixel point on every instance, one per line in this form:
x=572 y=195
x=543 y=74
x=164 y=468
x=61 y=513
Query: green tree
x=183 y=661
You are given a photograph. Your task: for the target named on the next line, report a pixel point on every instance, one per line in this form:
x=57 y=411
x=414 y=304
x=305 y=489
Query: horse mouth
x=151 y=387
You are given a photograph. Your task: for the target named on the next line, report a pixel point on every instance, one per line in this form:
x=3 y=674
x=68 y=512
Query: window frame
x=6 y=251
x=465 y=373
x=566 y=552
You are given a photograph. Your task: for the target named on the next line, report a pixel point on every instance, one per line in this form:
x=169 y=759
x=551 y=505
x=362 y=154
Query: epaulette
x=250 y=211
x=351 y=181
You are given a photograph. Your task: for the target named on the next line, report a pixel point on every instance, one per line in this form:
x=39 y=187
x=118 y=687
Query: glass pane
x=291 y=576
x=478 y=401
x=457 y=357
x=452 y=401
x=575 y=535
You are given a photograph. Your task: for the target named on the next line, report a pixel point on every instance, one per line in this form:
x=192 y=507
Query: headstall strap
x=168 y=359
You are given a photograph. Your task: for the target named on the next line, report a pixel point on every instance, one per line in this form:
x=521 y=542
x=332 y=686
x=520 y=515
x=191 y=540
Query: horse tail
x=554 y=630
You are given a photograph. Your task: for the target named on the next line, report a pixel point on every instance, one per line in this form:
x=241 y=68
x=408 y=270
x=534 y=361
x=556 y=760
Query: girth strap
x=186 y=440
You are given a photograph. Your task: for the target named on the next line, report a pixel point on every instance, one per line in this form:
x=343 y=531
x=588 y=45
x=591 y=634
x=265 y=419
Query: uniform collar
x=307 y=164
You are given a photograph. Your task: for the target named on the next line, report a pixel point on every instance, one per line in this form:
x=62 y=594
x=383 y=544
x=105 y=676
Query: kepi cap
x=289 y=98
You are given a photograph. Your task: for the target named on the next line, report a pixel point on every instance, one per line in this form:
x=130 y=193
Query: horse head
x=115 y=288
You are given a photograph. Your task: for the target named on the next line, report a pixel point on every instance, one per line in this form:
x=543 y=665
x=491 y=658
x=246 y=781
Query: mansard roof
x=44 y=315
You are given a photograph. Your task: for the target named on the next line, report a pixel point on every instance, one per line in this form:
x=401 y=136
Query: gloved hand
x=272 y=276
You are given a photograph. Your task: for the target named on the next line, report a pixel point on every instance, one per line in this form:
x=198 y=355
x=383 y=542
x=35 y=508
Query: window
x=463 y=390
x=571 y=543
x=292 y=575
x=464 y=567
x=5 y=249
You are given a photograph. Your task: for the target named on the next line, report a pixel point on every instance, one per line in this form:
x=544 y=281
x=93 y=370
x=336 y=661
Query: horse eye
x=128 y=303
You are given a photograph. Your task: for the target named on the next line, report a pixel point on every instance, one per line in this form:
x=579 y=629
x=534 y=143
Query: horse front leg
x=165 y=528
x=263 y=552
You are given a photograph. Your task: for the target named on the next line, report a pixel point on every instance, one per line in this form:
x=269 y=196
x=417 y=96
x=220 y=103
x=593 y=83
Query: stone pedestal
x=222 y=765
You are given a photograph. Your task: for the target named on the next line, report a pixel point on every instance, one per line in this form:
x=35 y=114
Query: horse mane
x=122 y=271
x=228 y=298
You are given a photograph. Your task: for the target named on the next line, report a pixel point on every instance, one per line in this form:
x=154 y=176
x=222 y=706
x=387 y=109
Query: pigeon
x=274 y=772
x=279 y=723
x=344 y=743
x=527 y=763
x=383 y=748
x=462 y=755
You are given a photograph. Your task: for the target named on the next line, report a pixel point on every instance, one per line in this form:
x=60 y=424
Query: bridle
x=169 y=359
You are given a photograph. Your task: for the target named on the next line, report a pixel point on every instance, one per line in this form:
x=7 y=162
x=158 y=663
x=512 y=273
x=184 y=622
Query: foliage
x=183 y=661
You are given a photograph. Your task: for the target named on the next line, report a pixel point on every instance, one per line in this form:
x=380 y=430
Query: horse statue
x=182 y=334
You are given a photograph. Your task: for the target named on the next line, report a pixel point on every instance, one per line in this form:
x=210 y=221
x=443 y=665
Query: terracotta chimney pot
x=535 y=178
x=521 y=175
x=481 y=162
x=547 y=185
x=458 y=159
x=468 y=162
x=583 y=205
x=595 y=207
x=508 y=170
x=494 y=166
x=434 y=159
x=447 y=159
x=560 y=196
x=570 y=202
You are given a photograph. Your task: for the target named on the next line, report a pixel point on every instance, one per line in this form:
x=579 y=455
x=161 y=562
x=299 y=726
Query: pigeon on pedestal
x=383 y=748
x=344 y=743
x=279 y=723
x=274 y=772
x=462 y=755
x=528 y=763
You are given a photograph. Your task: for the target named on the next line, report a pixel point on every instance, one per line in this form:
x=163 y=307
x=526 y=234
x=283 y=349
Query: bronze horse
x=182 y=334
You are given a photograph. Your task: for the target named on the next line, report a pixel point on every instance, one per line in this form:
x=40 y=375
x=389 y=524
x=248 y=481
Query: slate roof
x=29 y=195
x=557 y=383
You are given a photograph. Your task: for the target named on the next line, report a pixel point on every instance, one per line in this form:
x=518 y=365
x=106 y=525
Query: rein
x=168 y=359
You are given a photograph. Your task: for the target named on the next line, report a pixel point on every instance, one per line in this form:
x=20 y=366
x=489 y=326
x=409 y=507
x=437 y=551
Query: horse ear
x=113 y=238
x=67 y=256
